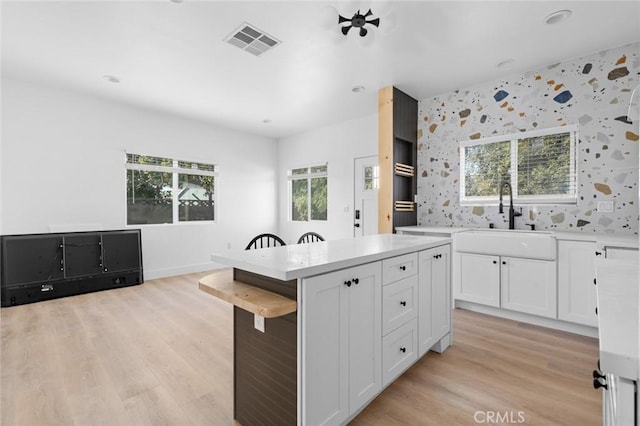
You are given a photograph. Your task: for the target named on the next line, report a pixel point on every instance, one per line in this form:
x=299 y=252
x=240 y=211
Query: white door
x=434 y=297
x=341 y=343
x=478 y=278
x=325 y=388
x=365 y=334
x=441 y=293
x=365 y=210
x=529 y=286
x=577 y=295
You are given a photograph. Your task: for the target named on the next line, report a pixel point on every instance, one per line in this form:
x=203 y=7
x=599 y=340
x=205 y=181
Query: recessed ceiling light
x=505 y=63
x=357 y=89
x=266 y=121
x=111 y=78
x=176 y=1
x=558 y=16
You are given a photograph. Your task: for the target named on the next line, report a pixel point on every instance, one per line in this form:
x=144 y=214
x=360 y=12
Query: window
x=370 y=178
x=163 y=190
x=540 y=165
x=308 y=193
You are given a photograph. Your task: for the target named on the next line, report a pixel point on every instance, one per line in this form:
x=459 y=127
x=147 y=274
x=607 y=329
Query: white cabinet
x=528 y=285
x=360 y=328
x=399 y=313
x=399 y=267
x=621 y=253
x=478 y=278
x=399 y=303
x=577 y=294
x=342 y=343
x=434 y=295
x=523 y=285
x=399 y=350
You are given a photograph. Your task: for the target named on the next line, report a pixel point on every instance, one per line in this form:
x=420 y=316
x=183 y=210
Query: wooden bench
x=252 y=299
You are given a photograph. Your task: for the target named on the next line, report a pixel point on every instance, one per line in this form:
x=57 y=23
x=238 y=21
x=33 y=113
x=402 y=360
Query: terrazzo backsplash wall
x=593 y=92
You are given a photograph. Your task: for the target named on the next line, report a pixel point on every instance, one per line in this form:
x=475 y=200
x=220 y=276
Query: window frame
x=513 y=169
x=175 y=170
x=306 y=176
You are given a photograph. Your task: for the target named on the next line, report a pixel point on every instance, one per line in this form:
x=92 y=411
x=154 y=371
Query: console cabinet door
x=577 y=295
x=342 y=343
x=478 y=278
x=121 y=251
x=529 y=286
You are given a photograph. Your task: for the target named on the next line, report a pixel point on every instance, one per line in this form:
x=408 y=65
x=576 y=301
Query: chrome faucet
x=512 y=212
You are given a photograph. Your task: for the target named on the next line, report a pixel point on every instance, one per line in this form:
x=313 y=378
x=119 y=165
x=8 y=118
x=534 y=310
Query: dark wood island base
x=265 y=363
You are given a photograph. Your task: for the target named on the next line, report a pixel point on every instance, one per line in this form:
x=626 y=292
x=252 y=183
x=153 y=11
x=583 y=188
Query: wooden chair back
x=264 y=241
x=310 y=237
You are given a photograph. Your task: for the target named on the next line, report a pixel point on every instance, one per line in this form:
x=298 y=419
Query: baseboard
x=181 y=270
x=580 y=329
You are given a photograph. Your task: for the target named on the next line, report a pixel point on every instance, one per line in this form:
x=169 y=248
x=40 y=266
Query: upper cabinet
x=397 y=153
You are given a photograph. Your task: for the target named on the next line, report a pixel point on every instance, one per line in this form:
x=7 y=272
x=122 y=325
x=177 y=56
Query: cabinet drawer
x=399 y=303
x=399 y=267
x=399 y=350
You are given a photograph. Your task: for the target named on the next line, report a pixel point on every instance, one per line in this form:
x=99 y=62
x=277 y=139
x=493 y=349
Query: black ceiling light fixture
x=358 y=21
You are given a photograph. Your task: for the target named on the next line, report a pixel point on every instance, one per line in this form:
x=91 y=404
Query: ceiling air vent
x=252 y=40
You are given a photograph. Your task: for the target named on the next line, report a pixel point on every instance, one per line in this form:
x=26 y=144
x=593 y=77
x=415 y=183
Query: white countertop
x=615 y=240
x=618 y=317
x=603 y=239
x=304 y=260
x=444 y=230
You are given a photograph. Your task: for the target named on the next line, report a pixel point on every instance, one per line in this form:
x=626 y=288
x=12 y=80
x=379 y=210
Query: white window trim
x=513 y=139
x=291 y=177
x=175 y=170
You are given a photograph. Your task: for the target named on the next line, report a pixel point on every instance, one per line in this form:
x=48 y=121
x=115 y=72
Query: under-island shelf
x=245 y=296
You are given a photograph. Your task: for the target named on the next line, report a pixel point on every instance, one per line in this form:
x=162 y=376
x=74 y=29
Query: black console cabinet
x=37 y=267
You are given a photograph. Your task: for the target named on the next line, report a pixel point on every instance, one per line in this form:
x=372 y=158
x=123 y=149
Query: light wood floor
x=161 y=353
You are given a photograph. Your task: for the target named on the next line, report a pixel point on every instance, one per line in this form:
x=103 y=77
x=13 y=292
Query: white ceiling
x=172 y=57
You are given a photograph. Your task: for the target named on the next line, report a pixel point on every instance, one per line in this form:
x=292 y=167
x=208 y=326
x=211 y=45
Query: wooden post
x=385 y=160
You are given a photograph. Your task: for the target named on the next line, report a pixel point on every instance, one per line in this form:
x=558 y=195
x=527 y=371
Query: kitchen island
x=366 y=310
x=619 y=330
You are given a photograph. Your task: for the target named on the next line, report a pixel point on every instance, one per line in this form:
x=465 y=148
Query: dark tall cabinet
x=397 y=157
x=35 y=267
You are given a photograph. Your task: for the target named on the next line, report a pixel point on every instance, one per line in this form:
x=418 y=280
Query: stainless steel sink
x=504 y=242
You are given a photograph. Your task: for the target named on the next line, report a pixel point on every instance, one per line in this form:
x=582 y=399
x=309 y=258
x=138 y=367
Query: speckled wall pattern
x=592 y=92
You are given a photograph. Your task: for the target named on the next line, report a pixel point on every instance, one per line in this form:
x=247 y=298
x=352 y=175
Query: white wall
x=62 y=163
x=337 y=145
